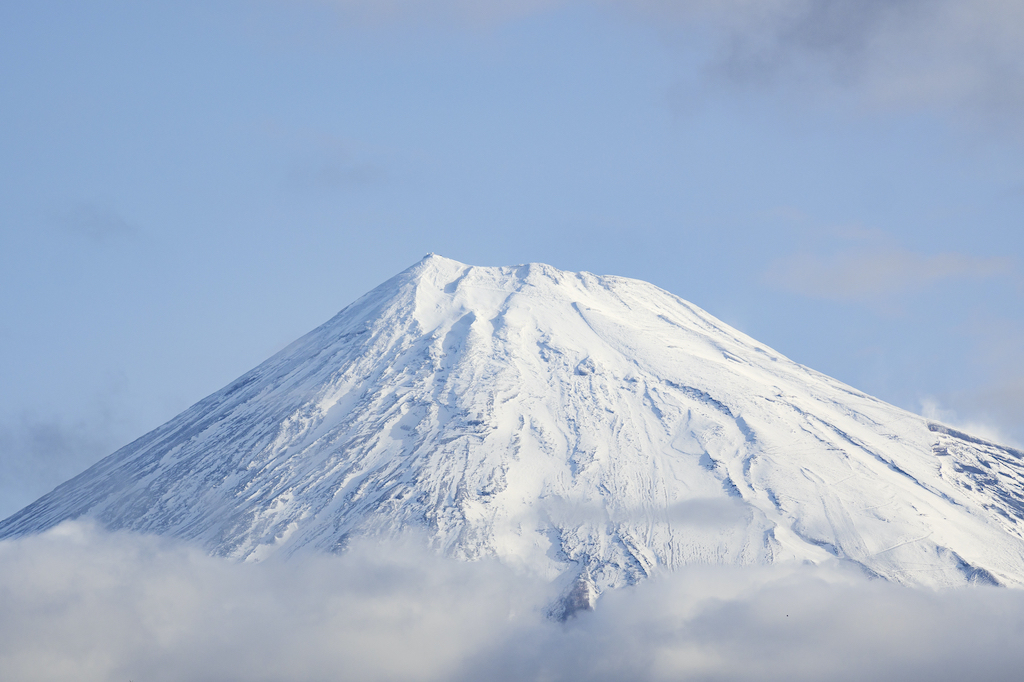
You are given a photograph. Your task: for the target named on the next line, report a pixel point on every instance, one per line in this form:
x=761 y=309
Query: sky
x=187 y=187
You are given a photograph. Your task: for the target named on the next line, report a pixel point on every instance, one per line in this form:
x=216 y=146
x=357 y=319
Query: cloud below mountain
x=83 y=603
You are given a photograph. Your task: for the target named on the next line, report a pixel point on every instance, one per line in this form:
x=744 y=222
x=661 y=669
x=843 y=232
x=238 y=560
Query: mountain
x=589 y=429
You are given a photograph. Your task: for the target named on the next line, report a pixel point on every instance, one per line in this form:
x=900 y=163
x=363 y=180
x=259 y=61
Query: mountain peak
x=434 y=260
x=594 y=430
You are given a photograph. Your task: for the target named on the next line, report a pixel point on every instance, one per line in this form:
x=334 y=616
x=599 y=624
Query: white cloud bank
x=78 y=603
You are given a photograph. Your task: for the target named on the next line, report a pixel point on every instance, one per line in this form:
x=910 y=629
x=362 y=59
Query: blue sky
x=187 y=187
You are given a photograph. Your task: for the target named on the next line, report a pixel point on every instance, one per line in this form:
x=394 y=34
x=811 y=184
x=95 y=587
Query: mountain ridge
x=577 y=426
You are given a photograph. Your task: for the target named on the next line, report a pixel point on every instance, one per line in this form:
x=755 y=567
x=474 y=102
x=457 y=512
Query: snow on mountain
x=584 y=428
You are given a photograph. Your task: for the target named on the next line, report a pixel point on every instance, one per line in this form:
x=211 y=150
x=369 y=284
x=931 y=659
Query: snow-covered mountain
x=568 y=424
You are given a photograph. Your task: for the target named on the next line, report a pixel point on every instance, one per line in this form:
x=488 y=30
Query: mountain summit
x=584 y=428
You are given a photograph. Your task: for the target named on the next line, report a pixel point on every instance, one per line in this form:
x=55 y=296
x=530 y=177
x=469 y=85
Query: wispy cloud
x=322 y=162
x=876 y=274
x=958 y=55
x=897 y=52
x=711 y=512
x=94 y=222
x=1003 y=399
x=995 y=404
x=91 y=605
x=932 y=408
x=37 y=453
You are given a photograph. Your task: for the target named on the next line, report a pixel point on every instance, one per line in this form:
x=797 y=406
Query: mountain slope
x=569 y=424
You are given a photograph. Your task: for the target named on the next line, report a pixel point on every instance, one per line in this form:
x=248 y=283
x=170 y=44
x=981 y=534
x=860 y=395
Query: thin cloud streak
x=877 y=274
